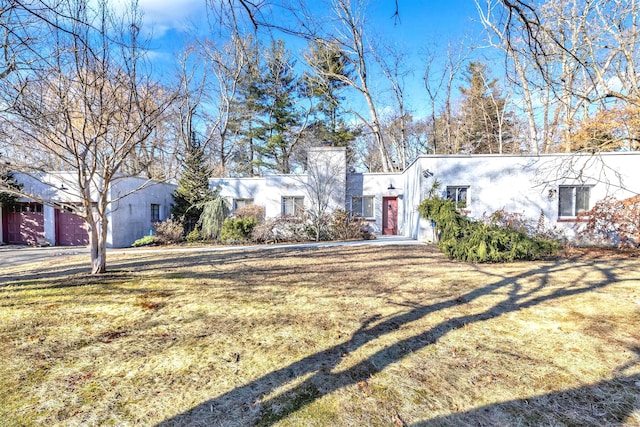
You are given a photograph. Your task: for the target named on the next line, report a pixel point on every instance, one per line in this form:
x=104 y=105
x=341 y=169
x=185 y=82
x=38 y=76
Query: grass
x=378 y=336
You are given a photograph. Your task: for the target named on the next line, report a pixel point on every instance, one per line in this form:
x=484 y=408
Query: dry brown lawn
x=346 y=336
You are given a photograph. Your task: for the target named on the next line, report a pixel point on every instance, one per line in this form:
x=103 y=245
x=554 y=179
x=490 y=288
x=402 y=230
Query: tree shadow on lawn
x=321 y=372
x=183 y=264
x=593 y=403
x=593 y=399
x=77 y=273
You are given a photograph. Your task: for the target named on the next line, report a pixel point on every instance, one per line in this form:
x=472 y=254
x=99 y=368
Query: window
x=292 y=205
x=240 y=203
x=459 y=196
x=155 y=212
x=362 y=206
x=25 y=207
x=572 y=200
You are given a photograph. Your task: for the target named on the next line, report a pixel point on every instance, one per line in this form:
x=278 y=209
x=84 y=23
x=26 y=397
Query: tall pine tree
x=330 y=68
x=280 y=132
x=193 y=187
x=246 y=109
x=486 y=125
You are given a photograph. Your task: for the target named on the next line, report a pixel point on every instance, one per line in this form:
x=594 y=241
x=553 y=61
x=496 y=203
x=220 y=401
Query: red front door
x=390 y=215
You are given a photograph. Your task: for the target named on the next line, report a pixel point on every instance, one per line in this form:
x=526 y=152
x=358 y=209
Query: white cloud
x=160 y=16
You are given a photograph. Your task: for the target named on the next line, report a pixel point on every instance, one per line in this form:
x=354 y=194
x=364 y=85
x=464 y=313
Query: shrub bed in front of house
x=248 y=225
x=468 y=240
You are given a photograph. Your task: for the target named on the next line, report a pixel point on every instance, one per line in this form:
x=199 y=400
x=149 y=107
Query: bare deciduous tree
x=439 y=81
x=576 y=58
x=87 y=104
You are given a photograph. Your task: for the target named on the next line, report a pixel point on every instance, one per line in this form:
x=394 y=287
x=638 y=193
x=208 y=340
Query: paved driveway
x=12 y=255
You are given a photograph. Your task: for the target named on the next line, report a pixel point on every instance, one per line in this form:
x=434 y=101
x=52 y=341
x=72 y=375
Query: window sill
x=367 y=219
x=572 y=219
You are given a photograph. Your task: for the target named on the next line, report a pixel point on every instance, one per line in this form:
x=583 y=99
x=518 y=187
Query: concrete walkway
x=12 y=255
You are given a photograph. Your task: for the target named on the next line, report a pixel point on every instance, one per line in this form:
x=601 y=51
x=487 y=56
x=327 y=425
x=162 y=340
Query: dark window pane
x=356 y=206
x=565 y=207
x=582 y=199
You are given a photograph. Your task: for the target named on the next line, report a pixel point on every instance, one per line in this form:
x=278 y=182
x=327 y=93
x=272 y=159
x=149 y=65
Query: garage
x=71 y=230
x=23 y=223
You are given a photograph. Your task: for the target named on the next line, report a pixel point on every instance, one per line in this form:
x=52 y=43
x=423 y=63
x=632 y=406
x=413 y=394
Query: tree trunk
x=98 y=230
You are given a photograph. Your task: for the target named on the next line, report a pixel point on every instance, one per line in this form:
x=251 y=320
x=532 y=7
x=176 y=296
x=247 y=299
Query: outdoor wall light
x=62 y=187
x=391 y=187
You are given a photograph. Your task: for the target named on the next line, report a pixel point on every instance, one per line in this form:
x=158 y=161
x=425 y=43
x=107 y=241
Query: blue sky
x=427 y=23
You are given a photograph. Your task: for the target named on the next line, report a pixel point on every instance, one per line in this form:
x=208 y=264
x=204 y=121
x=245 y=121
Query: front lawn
x=346 y=336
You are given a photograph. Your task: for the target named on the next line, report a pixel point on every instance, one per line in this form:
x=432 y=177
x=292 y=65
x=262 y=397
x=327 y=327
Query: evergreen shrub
x=238 y=229
x=468 y=240
x=146 y=241
x=193 y=236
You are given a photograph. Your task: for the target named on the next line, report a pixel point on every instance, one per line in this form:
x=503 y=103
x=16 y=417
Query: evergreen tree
x=330 y=69
x=193 y=187
x=245 y=112
x=485 y=124
x=8 y=182
x=280 y=131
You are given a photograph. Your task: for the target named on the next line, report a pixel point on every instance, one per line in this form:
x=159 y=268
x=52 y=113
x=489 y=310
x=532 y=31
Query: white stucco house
x=48 y=217
x=553 y=188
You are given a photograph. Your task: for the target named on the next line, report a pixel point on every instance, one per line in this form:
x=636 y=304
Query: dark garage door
x=23 y=223
x=70 y=229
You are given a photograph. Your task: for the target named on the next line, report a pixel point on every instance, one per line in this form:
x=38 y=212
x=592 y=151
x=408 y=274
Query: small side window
x=155 y=212
x=240 y=203
x=292 y=205
x=362 y=206
x=459 y=195
x=573 y=200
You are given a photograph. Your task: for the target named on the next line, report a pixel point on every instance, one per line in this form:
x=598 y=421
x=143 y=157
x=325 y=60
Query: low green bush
x=467 y=240
x=193 y=236
x=147 y=241
x=237 y=229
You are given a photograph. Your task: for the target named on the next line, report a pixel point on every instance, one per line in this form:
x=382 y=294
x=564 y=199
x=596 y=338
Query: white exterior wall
x=326 y=179
x=325 y=182
x=265 y=191
x=49 y=214
x=415 y=188
x=130 y=210
x=527 y=184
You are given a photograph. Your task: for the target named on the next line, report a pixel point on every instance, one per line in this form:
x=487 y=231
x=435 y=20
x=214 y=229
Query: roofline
x=522 y=155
